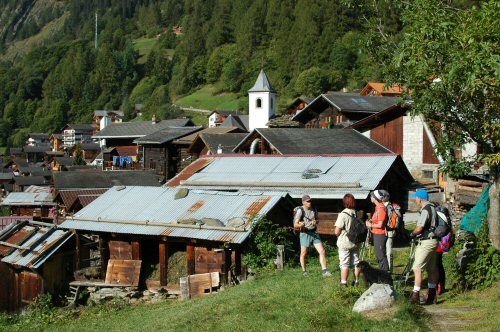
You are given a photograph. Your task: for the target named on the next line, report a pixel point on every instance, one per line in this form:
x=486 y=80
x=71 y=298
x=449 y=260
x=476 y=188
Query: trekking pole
x=406 y=273
x=366 y=243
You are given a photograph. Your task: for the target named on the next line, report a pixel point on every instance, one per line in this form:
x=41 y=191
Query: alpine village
x=249 y=165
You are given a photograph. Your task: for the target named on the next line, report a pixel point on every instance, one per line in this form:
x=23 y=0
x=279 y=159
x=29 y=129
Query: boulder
x=378 y=296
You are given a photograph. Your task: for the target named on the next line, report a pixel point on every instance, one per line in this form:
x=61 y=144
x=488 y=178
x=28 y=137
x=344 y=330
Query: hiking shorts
x=425 y=255
x=348 y=258
x=308 y=238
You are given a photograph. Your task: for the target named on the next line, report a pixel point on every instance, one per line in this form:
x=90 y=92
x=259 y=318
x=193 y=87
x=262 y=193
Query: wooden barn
x=35 y=258
x=202 y=231
x=33 y=204
x=326 y=178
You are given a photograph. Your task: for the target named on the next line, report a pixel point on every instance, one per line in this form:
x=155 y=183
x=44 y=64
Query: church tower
x=261 y=102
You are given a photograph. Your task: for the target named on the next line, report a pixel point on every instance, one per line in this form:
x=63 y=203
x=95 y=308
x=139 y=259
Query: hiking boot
x=343 y=285
x=431 y=297
x=305 y=274
x=415 y=297
x=327 y=273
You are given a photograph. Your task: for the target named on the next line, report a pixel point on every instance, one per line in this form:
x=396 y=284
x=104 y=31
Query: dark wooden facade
x=390 y=135
x=164 y=160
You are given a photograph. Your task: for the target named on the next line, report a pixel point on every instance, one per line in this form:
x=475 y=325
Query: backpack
x=301 y=208
x=443 y=222
x=394 y=217
x=447 y=241
x=357 y=231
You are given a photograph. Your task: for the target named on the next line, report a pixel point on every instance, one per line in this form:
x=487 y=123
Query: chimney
x=153 y=120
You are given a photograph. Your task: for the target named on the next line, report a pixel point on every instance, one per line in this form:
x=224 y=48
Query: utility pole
x=96 y=33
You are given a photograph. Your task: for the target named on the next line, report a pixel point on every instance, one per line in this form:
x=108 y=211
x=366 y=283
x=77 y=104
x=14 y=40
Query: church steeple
x=261 y=102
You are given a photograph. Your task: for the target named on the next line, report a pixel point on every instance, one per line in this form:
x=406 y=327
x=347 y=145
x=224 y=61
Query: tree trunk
x=494 y=213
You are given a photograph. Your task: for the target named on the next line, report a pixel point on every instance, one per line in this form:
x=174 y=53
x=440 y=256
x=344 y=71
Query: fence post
x=280 y=257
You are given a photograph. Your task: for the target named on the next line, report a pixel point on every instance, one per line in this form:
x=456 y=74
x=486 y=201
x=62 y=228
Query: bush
x=260 y=249
x=484 y=269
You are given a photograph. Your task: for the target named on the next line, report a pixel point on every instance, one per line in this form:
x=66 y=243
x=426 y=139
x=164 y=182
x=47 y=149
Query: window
x=259 y=103
x=428 y=174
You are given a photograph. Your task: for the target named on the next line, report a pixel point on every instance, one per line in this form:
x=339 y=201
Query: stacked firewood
x=468 y=192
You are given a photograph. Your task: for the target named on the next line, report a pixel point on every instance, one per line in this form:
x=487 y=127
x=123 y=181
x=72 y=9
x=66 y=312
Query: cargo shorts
x=308 y=238
x=425 y=255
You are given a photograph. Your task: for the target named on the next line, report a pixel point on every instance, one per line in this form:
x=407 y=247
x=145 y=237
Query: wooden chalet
x=407 y=135
x=60 y=164
x=102 y=118
x=381 y=89
x=121 y=136
x=185 y=143
x=210 y=144
x=36 y=154
x=340 y=109
x=36 y=258
x=159 y=152
x=298 y=105
x=56 y=142
x=307 y=141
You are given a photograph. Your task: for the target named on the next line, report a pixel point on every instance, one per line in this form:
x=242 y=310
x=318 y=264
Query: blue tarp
x=473 y=220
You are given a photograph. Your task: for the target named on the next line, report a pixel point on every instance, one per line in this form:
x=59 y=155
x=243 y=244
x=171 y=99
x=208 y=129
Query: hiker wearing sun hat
x=377 y=227
x=425 y=252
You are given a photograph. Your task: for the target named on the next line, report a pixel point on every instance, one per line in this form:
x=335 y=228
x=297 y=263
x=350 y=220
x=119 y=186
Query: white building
x=261 y=102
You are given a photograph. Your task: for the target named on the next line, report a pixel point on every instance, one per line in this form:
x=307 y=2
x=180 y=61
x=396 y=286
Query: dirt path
x=449 y=319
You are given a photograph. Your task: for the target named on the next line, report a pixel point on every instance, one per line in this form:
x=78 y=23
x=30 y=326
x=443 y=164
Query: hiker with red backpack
x=376 y=225
x=394 y=217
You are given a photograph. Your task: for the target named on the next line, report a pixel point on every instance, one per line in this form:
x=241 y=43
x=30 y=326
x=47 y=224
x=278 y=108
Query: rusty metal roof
x=70 y=196
x=37 y=244
x=155 y=211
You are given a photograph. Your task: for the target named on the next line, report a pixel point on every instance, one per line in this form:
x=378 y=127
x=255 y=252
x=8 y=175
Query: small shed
x=35 y=258
x=34 y=204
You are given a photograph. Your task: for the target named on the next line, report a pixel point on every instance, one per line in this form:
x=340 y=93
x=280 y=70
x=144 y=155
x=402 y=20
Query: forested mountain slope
x=306 y=47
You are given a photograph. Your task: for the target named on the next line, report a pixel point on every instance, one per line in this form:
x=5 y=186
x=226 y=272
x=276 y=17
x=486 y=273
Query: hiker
x=377 y=227
x=444 y=245
x=390 y=234
x=425 y=252
x=306 y=220
x=348 y=251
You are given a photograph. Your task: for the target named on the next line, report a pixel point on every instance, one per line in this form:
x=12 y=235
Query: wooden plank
x=202 y=284
x=470 y=189
x=121 y=271
x=136 y=250
x=163 y=263
x=120 y=250
x=470 y=183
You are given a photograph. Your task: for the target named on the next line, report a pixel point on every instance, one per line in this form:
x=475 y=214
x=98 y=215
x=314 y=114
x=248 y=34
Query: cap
x=306 y=198
x=377 y=194
x=422 y=194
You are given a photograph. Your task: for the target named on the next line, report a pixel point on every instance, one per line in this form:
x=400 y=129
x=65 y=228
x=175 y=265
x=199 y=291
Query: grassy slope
x=144 y=46
x=22 y=47
x=275 y=301
x=206 y=98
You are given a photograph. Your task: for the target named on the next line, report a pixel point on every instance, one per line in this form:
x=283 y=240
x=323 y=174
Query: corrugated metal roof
x=155 y=211
x=37 y=255
x=28 y=198
x=320 y=176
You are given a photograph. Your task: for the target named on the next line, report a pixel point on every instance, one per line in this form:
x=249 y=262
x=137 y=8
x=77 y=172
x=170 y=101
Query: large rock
x=378 y=296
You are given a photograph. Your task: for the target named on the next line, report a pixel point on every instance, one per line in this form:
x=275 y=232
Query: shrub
x=484 y=269
x=260 y=248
